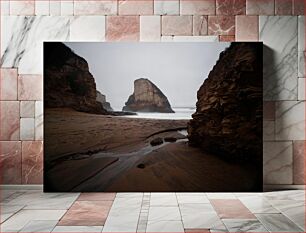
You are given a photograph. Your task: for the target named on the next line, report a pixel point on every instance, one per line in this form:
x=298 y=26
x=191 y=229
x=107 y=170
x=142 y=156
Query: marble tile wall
x=25 y=24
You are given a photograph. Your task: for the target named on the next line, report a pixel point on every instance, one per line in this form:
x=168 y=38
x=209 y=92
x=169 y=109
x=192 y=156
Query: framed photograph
x=153 y=117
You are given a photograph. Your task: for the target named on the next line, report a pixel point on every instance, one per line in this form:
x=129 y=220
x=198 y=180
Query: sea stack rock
x=228 y=119
x=102 y=99
x=147 y=98
x=67 y=80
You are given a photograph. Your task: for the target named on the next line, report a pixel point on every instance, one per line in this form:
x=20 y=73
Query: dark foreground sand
x=86 y=152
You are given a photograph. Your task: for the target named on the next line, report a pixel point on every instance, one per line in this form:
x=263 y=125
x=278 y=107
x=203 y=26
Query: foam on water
x=180 y=114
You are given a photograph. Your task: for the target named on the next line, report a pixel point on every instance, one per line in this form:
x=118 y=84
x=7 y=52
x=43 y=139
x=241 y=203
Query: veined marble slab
x=277 y=162
x=301 y=46
x=290 y=120
x=280 y=37
x=278 y=223
x=22 y=40
x=189 y=39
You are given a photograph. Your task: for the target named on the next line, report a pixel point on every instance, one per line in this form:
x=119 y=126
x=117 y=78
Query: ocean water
x=180 y=114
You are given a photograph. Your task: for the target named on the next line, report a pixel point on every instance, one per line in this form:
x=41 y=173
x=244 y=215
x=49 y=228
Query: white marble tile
x=164 y=7
x=38 y=200
x=165 y=213
x=301 y=89
x=129 y=195
x=106 y=7
x=258 y=205
x=22 y=39
x=221 y=196
x=39 y=226
x=205 y=217
x=6 y=199
x=66 y=7
x=124 y=214
x=5 y=7
x=127 y=202
x=20 y=219
x=277 y=162
x=122 y=219
x=39 y=118
x=74 y=229
x=9 y=210
x=55 y=8
x=150 y=28
x=4 y=194
x=165 y=226
x=189 y=39
x=27 y=109
x=277 y=223
x=27 y=129
x=163 y=199
x=268 y=130
x=295 y=195
x=87 y=28
x=242 y=225
x=294 y=210
x=279 y=34
x=185 y=198
x=290 y=120
x=42 y=7
x=301 y=46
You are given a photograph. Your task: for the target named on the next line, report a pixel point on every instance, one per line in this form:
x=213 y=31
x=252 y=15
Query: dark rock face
x=147 y=98
x=67 y=80
x=228 y=119
x=102 y=99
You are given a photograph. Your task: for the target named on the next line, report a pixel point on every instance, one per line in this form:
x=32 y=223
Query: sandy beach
x=111 y=153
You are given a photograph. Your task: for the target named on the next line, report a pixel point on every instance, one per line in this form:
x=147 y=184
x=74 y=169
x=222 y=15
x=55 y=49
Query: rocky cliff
x=228 y=119
x=67 y=80
x=102 y=99
x=147 y=98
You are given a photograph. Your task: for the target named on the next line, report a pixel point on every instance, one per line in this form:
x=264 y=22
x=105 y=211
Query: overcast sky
x=178 y=69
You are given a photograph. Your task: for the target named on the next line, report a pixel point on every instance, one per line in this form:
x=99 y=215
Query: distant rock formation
x=147 y=98
x=228 y=119
x=67 y=80
x=102 y=99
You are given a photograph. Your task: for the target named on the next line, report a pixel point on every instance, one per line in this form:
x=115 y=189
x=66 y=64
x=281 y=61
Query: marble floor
x=35 y=211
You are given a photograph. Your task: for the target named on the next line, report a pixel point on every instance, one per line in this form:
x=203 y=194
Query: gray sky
x=178 y=69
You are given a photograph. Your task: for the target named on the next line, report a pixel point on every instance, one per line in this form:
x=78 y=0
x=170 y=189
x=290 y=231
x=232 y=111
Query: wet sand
x=103 y=153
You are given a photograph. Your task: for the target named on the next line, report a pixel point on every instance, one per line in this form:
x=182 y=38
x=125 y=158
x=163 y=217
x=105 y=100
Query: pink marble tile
x=283 y=7
x=260 y=7
x=86 y=213
x=231 y=208
x=269 y=110
x=247 y=28
x=221 y=25
x=200 y=25
x=299 y=162
x=97 y=197
x=105 y=7
x=8 y=84
x=197 y=7
x=135 y=7
x=9 y=120
x=22 y=7
x=230 y=7
x=10 y=162
x=223 y=38
x=32 y=162
x=30 y=87
x=298 y=7
x=176 y=25
x=122 y=28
